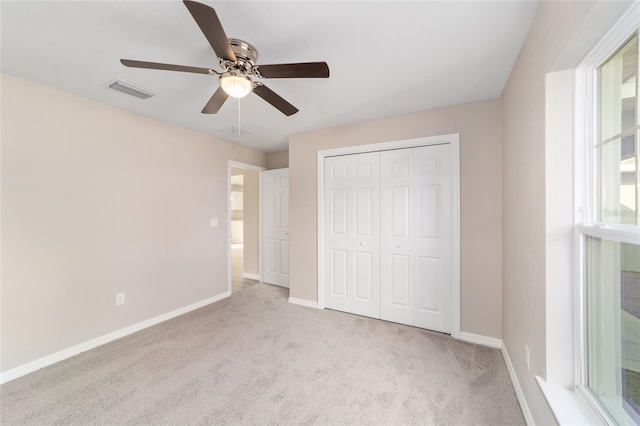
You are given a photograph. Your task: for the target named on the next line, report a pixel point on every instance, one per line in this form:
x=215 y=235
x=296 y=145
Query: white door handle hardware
x=399 y=246
x=362 y=244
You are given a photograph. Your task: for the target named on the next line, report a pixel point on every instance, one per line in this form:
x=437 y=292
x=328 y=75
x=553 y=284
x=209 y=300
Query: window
x=610 y=238
x=616 y=151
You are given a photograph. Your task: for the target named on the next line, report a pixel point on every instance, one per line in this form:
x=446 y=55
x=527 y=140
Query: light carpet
x=256 y=359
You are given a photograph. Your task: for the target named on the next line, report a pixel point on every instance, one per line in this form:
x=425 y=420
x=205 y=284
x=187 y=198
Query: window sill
x=568 y=407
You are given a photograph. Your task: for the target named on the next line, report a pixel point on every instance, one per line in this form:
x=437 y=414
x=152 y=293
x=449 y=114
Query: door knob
x=362 y=244
x=399 y=245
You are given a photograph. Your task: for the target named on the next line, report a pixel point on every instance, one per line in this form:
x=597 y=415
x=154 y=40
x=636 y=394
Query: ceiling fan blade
x=207 y=19
x=216 y=102
x=167 y=67
x=298 y=70
x=274 y=99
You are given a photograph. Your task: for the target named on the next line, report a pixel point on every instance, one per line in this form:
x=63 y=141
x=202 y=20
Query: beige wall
x=481 y=200
x=251 y=218
x=278 y=160
x=560 y=36
x=96 y=201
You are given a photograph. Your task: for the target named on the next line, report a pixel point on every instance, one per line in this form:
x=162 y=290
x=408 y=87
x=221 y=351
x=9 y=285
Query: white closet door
x=275 y=227
x=431 y=234
x=415 y=245
x=352 y=234
x=397 y=219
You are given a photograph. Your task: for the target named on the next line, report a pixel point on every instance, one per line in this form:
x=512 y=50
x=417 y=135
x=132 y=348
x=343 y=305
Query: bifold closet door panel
x=397 y=217
x=431 y=234
x=415 y=237
x=352 y=233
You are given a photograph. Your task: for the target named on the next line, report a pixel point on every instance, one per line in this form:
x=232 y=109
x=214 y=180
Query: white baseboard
x=516 y=384
x=498 y=344
x=48 y=360
x=303 y=302
x=250 y=276
x=479 y=339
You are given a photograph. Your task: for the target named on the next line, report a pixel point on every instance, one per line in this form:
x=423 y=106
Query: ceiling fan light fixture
x=236 y=85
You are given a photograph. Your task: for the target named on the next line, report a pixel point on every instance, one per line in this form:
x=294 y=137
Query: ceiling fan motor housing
x=246 y=57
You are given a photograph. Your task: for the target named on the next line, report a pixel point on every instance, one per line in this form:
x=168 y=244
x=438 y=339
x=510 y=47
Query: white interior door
x=352 y=238
x=275 y=227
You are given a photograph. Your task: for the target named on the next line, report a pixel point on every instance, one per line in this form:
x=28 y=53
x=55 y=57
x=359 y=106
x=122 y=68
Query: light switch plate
x=213 y=222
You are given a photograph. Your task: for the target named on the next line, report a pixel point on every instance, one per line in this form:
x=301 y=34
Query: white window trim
x=586 y=188
x=629 y=236
x=572 y=403
x=561 y=375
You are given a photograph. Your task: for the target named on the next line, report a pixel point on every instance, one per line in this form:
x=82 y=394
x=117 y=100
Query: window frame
x=587 y=187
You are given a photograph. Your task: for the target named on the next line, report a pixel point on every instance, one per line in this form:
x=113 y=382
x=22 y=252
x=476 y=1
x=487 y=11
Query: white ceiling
x=386 y=58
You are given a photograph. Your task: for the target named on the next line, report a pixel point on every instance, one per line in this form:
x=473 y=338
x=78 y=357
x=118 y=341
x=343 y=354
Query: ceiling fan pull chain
x=239 y=134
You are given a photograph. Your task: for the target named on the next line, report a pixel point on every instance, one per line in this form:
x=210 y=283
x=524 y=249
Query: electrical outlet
x=119 y=299
x=527 y=357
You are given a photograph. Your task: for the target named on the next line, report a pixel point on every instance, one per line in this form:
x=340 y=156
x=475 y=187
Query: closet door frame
x=453 y=140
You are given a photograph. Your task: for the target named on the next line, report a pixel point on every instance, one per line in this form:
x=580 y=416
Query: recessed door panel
x=269 y=181
x=338 y=276
x=400 y=167
x=363 y=213
x=270 y=257
x=430 y=210
x=399 y=207
x=339 y=172
x=428 y=166
x=363 y=275
x=284 y=258
x=363 y=169
x=338 y=209
x=269 y=213
x=428 y=284
x=400 y=282
x=284 y=210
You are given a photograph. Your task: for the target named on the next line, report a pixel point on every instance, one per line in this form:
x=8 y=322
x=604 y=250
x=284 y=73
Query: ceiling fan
x=237 y=58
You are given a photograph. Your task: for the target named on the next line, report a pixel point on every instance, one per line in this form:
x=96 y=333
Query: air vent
x=130 y=89
x=235 y=131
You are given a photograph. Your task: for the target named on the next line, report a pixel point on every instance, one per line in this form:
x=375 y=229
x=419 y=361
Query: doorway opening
x=244 y=226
